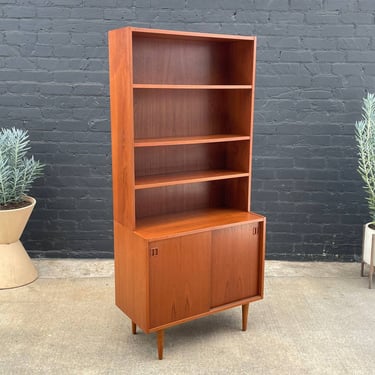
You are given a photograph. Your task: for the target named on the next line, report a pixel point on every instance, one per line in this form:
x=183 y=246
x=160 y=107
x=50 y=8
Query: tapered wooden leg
x=134 y=328
x=370 y=276
x=245 y=313
x=362 y=268
x=160 y=343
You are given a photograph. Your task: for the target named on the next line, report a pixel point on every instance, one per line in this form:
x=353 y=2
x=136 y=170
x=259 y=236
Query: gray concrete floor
x=316 y=318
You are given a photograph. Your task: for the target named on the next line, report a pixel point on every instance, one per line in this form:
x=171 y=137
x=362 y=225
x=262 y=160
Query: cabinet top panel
x=181 y=34
x=174 y=225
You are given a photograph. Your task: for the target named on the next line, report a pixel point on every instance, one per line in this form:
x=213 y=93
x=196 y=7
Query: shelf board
x=190 y=87
x=168 y=226
x=171 y=141
x=148 y=182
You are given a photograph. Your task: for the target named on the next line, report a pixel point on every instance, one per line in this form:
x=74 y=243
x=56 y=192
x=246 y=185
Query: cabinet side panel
x=236 y=193
x=121 y=98
x=131 y=275
x=253 y=66
x=241 y=58
x=262 y=252
x=237 y=156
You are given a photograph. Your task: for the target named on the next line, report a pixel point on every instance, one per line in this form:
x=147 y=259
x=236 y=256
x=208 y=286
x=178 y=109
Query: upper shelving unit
x=182 y=124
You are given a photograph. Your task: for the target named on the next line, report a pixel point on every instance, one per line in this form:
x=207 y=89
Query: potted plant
x=365 y=137
x=17 y=174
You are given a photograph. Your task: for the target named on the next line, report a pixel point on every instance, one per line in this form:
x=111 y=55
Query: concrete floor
x=316 y=318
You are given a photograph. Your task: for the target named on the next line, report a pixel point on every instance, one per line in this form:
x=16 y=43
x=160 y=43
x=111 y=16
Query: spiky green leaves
x=17 y=172
x=365 y=137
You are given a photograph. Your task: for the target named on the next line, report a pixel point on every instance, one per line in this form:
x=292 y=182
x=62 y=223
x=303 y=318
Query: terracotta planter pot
x=16 y=268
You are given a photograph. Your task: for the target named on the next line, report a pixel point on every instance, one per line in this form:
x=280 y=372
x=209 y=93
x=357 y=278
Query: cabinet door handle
x=154 y=251
x=255 y=231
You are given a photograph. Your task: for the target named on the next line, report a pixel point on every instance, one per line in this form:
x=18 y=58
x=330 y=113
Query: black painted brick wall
x=316 y=60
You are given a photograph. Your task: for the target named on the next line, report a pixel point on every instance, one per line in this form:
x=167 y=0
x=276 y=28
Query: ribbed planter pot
x=16 y=268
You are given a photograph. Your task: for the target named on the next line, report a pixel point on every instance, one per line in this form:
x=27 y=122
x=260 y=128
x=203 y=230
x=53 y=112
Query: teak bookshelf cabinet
x=186 y=243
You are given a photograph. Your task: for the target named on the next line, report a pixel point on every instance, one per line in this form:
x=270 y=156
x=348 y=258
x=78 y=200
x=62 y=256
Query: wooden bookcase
x=186 y=243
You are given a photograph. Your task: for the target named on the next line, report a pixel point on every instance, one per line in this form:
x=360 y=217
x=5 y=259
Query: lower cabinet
x=191 y=274
x=173 y=280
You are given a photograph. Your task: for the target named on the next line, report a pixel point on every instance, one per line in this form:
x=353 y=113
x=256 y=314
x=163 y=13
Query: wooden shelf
x=147 y=182
x=175 y=141
x=191 y=87
x=168 y=226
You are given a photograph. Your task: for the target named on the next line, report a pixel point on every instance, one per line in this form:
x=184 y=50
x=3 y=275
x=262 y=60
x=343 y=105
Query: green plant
x=365 y=137
x=17 y=172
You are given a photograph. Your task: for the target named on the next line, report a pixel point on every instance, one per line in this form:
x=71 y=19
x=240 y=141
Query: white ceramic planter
x=16 y=268
x=367 y=245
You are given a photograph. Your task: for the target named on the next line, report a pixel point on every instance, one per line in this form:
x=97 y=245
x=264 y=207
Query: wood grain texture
x=220 y=194
x=235 y=264
x=175 y=225
x=262 y=255
x=203 y=139
x=168 y=160
x=236 y=194
x=242 y=69
x=170 y=61
x=171 y=159
x=160 y=342
x=179 y=278
x=179 y=113
x=175 y=199
x=121 y=100
x=188 y=113
x=245 y=314
x=131 y=275
x=252 y=58
x=213 y=310
x=148 y=182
